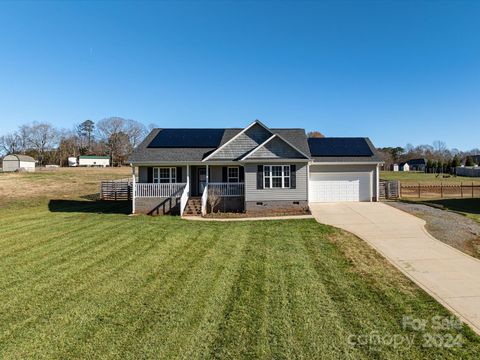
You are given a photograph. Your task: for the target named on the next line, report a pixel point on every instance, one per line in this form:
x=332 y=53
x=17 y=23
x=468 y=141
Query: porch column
x=188 y=179
x=133 y=189
x=207 y=177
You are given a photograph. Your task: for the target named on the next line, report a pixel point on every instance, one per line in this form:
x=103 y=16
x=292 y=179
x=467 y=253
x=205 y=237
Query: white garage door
x=333 y=187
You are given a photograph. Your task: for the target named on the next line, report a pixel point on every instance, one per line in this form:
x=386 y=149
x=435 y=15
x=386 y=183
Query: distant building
x=394 y=167
x=414 y=165
x=417 y=164
x=93 y=160
x=404 y=167
x=475 y=159
x=72 y=161
x=18 y=163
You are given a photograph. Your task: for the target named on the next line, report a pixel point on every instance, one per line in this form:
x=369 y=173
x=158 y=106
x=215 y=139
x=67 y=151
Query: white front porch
x=191 y=181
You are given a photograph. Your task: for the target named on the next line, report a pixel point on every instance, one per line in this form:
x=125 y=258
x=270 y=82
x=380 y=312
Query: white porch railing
x=204 y=200
x=228 y=189
x=159 y=190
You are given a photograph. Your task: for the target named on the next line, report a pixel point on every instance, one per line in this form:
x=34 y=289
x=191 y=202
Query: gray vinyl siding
x=372 y=168
x=243 y=143
x=254 y=194
x=276 y=149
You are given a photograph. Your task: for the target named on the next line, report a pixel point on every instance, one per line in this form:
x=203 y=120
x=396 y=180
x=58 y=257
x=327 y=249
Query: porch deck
x=182 y=191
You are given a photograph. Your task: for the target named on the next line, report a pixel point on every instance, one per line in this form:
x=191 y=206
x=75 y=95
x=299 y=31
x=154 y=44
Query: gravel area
x=453 y=229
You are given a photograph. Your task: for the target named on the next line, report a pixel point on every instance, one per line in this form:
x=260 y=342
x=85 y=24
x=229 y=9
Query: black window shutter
x=260 y=177
x=293 y=177
x=149 y=174
x=241 y=171
x=224 y=174
x=179 y=174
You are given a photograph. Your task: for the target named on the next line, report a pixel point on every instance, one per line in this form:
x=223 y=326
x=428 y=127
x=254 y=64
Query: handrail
x=228 y=189
x=159 y=190
x=184 y=199
x=204 y=200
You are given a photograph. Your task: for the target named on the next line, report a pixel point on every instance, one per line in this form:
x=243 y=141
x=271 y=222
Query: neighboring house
x=415 y=165
x=255 y=169
x=15 y=162
x=394 y=167
x=475 y=159
x=93 y=160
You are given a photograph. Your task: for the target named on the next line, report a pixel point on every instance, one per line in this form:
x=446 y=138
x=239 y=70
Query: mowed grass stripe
x=51 y=293
x=311 y=312
x=167 y=288
x=58 y=255
x=188 y=256
x=162 y=294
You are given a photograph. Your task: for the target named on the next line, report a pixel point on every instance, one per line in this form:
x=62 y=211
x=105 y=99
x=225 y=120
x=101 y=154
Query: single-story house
x=414 y=165
x=93 y=160
x=394 y=167
x=15 y=162
x=254 y=169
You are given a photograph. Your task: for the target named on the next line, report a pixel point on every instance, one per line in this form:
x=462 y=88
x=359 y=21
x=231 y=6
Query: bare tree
x=214 y=198
x=23 y=133
x=42 y=137
x=9 y=143
x=315 y=134
x=120 y=136
x=135 y=131
x=152 y=126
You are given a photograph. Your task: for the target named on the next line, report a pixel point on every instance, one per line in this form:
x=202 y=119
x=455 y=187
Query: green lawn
x=419 y=177
x=83 y=280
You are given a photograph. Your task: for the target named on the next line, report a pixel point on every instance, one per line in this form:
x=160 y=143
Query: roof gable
x=275 y=147
x=241 y=144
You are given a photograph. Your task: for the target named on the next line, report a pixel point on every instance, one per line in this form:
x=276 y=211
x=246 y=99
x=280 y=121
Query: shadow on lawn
x=471 y=206
x=97 y=206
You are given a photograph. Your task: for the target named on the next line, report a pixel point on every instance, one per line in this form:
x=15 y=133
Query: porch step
x=194 y=206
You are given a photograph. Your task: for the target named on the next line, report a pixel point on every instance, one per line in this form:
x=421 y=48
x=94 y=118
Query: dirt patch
x=250 y=214
x=452 y=228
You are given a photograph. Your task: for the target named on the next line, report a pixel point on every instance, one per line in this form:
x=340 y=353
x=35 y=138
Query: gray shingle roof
x=144 y=153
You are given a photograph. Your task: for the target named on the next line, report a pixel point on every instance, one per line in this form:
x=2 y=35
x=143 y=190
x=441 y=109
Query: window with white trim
x=233 y=174
x=276 y=176
x=164 y=175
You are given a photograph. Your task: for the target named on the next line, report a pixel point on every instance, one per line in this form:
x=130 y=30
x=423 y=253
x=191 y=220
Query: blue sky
x=399 y=72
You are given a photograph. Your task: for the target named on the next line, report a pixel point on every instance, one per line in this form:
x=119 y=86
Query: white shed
x=15 y=162
x=404 y=167
x=93 y=160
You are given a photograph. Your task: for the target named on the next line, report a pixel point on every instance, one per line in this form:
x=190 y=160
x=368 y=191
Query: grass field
x=81 y=279
x=423 y=178
x=57 y=183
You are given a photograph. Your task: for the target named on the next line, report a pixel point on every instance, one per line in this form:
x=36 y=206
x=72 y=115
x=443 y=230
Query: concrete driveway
x=450 y=276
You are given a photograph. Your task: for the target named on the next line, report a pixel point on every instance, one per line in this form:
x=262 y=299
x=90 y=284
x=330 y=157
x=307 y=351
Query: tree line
x=115 y=137
x=439 y=157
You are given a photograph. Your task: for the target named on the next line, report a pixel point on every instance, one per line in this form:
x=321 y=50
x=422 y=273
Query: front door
x=202 y=179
